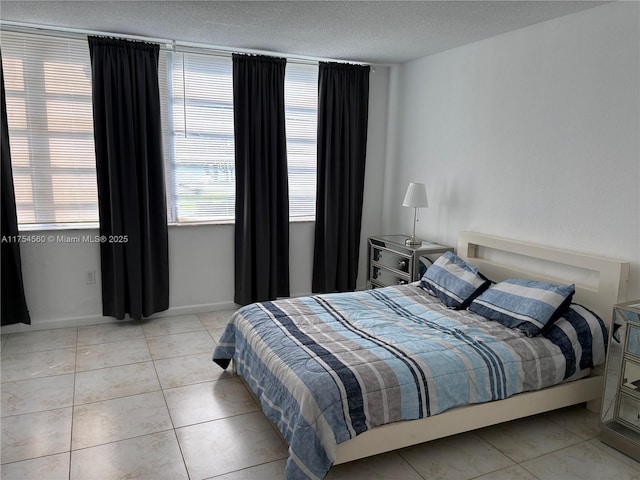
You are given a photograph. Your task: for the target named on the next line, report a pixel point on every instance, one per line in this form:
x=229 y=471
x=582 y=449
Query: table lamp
x=415 y=197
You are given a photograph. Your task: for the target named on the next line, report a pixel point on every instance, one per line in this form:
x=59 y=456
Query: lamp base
x=412 y=241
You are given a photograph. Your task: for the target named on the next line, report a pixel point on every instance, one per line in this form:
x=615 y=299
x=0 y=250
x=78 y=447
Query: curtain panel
x=262 y=196
x=343 y=110
x=12 y=297
x=131 y=188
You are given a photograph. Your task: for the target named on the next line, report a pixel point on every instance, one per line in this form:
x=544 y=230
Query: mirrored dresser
x=620 y=413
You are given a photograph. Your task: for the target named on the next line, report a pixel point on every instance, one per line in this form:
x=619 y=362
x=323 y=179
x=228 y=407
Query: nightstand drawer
x=384 y=277
x=633 y=340
x=630 y=376
x=387 y=258
x=628 y=411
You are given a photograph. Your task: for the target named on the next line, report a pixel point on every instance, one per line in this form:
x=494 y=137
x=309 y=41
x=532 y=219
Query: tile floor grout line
x=115 y=398
x=122 y=440
x=528 y=471
x=173 y=425
x=73 y=405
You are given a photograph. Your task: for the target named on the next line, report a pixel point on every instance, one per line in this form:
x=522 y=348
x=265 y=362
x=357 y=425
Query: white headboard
x=600 y=282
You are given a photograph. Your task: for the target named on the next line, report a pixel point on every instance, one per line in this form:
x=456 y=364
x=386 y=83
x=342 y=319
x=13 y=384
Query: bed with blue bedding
x=328 y=368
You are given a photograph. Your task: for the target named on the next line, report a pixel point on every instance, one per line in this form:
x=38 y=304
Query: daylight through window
x=48 y=88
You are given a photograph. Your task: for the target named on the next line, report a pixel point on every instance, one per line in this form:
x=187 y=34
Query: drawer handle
x=402 y=265
x=402 y=282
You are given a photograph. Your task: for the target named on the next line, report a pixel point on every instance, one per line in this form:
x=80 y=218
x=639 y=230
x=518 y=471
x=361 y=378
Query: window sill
x=96 y=226
x=232 y=222
x=45 y=227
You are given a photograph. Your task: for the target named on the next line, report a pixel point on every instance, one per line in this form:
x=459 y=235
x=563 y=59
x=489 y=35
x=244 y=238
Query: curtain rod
x=168 y=44
x=229 y=50
x=29 y=27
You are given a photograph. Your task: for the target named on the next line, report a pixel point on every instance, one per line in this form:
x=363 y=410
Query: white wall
x=532 y=135
x=375 y=168
x=200 y=257
x=57 y=293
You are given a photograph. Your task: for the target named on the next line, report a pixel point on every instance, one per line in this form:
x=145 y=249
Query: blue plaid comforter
x=329 y=367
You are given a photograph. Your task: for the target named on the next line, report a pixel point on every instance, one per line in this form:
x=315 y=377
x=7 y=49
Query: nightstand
x=620 y=415
x=391 y=262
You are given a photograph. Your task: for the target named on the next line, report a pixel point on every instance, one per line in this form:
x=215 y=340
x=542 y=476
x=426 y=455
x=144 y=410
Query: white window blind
x=201 y=176
x=49 y=114
x=301 y=111
x=201 y=155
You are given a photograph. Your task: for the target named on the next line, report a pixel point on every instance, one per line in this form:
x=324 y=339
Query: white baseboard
x=57 y=323
x=99 y=319
x=189 y=309
x=46 y=324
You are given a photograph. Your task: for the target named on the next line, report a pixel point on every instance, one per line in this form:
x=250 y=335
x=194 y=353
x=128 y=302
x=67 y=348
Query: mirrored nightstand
x=391 y=262
x=620 y=414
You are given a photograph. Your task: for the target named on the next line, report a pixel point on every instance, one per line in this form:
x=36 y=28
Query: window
x=201 y=164
x=200 y=153
x=301 y=111
x=50 y=118
x=49 y=114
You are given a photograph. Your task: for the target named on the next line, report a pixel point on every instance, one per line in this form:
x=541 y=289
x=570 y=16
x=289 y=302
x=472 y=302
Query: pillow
x=454 y=281
x=582 y=337
x=525 y=305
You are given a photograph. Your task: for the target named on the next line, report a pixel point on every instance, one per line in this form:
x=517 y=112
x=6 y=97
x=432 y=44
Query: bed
x=346 y=376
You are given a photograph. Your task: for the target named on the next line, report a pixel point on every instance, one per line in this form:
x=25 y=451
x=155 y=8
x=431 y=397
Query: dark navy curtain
x=343 y=109
x=131 y=188
x=12 y=298
x=262 y=192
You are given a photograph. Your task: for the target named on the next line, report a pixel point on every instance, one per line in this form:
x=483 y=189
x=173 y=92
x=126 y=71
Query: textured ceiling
x=380 y=32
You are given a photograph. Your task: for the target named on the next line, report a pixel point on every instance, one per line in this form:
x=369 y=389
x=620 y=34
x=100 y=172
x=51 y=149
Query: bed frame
x=600 y=283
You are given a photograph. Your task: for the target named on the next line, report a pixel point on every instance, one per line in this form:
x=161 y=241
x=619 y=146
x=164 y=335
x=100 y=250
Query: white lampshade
x=416 y=196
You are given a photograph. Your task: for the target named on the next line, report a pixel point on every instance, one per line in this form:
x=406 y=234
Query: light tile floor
x=143 y=400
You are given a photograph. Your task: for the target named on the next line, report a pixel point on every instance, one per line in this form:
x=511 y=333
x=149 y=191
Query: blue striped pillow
x=454 y=281
x=582 y=336
x=525 y=305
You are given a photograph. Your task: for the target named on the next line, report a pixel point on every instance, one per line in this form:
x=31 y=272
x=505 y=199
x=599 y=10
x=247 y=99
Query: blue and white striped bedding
x=327 y=368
